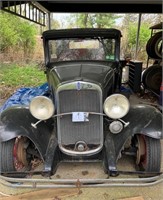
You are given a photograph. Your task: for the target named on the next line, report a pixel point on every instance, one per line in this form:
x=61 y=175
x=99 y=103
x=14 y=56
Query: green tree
x=89 y=20
x=129 y=31
x=9 y=36
x=143 y=37
x=27 y=41
x=16 y=33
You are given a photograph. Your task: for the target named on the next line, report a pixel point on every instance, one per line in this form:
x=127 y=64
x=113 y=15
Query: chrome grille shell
x=80 y=96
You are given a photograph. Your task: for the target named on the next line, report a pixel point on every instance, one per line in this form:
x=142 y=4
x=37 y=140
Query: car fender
x=16 y=121
x=143 y=119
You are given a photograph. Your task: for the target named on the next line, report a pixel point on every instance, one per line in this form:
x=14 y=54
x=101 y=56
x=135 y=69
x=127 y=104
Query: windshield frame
x=90 y=49
x=84 y=33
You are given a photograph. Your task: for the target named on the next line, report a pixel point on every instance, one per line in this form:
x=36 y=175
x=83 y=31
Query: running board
x=79 y=183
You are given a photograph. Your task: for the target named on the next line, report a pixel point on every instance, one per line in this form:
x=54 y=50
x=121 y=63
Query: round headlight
x=116 y=106
x=41 y=107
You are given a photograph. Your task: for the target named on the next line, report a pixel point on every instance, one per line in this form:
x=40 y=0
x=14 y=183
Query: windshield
x=81 y=49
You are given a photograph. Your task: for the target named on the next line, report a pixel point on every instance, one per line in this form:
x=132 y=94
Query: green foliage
x=129 y=32
x=98 y=20
x=16 y=33
x=9 y=36
x=27 y=34
x=143 y=36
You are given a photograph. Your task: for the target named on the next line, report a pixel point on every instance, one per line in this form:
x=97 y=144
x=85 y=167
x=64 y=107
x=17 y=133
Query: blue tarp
x=23 y=96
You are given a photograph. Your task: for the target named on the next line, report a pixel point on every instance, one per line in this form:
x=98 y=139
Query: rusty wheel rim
x=141 y=158
x=19 y=153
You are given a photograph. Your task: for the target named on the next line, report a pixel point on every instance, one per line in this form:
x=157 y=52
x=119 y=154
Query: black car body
x=85 y=115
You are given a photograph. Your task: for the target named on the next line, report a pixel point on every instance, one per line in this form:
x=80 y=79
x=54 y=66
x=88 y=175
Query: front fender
x=16 y=121
x=145 y=119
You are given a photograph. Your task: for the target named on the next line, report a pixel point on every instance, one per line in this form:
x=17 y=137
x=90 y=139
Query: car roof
x=82 y=33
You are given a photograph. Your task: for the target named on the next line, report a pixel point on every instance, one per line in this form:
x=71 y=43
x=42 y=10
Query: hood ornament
x=78 y=85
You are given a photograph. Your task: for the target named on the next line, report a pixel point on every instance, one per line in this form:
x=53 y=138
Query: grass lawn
x=13 y=76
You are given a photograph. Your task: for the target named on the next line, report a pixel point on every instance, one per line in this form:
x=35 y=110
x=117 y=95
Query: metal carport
x=41 y=8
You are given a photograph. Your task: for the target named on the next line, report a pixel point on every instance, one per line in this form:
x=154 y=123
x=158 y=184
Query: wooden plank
x=133 y=198
x=45 y=194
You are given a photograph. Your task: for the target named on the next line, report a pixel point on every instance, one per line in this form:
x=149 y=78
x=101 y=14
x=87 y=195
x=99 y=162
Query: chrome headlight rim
x=113 y=100
x=41 y=107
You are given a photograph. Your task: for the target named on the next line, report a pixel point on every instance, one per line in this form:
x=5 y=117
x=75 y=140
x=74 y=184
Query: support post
x=137 y=37
x=49 y=20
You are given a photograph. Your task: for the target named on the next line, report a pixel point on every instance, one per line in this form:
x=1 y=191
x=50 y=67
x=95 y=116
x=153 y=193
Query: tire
x=8 y=159
x=154 y=46
x=152 y=78
x=148 y=155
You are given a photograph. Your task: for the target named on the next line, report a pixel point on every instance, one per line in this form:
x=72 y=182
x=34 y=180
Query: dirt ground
x=89 y=194
x=86 y=170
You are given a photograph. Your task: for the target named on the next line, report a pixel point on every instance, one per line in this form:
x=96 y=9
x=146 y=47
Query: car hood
x=95 y=72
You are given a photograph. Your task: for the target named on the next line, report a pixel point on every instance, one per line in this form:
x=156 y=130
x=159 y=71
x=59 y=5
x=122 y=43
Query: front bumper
x=79 y=183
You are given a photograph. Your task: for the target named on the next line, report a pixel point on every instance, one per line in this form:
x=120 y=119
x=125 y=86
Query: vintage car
x=85 y=116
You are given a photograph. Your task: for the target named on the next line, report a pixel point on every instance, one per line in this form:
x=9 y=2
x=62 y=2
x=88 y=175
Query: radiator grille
x=82 y=101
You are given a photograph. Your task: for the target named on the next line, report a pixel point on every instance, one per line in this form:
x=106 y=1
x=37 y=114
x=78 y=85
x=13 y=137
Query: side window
x=52 y=50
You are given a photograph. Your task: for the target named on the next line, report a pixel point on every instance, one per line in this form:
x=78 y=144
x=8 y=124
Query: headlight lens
x=116 y=106
x=41 y=107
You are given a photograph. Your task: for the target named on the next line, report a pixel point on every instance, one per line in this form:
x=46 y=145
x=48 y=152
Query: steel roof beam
x=27 y=10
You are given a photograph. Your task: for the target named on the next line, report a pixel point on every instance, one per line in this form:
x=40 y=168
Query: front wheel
x=14 y=156
x=148 y=158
